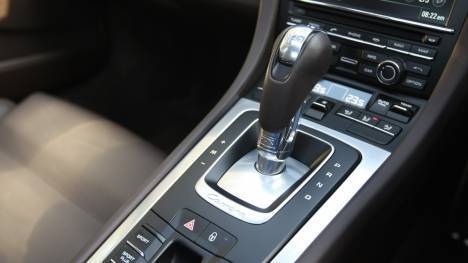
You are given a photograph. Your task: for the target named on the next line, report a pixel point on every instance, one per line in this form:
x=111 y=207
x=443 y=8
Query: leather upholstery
x=63 y=173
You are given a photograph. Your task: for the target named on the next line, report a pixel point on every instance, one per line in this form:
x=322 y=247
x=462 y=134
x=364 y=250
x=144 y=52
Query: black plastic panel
x=269 y=237
x=384 y=33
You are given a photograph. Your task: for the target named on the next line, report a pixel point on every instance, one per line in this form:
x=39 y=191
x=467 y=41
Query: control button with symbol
x=189 y=224
x=369 y=119
x=417 y=68
x=213 y=236
x=319 y=108
x=431 y=39
x=216 y=240
x=381 y=106
x=389 y=127
x=348 y=112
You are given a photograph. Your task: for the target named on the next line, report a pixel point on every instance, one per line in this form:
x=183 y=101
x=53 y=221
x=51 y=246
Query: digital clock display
x=345 y=94
x=435 y=12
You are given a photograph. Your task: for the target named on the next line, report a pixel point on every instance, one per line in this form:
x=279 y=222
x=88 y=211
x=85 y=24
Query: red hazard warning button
x=189 y=224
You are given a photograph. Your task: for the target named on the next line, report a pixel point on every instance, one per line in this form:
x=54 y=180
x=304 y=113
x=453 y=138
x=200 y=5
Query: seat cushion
x=37 y=223
x=70 y=170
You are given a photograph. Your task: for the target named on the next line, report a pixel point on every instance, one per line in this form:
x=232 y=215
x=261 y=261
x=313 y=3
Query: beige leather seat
x=63 y=173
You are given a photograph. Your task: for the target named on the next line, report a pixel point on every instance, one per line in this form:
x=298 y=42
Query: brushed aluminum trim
x=243 y=181
x=242 y=212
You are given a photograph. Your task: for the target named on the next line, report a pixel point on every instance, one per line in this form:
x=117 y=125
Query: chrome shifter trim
x=291 y=45
x=275 y=147
x=372 y=158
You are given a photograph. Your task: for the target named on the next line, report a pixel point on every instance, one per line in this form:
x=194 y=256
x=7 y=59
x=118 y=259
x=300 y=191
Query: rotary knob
x=389 y=71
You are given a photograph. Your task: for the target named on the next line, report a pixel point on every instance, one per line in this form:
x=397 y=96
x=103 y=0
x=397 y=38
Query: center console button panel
x=360 y=46
x=339 y=105
x=154 y=240
x=369 y=126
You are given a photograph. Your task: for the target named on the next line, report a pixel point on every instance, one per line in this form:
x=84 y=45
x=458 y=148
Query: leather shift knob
x=301 y=57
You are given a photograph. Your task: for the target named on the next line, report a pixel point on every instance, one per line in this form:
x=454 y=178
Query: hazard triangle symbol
x=190 y=225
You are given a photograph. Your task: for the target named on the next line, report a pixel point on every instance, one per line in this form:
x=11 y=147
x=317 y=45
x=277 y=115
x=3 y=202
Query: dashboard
x=389 y=58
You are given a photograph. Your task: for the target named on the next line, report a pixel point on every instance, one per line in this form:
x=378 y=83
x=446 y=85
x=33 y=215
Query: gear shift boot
x=243 y=181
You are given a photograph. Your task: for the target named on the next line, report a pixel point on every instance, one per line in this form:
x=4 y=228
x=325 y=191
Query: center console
x=346 y=82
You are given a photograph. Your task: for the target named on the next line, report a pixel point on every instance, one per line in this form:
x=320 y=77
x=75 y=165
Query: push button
x=216 y=240
x=369 y=119
x=375 y=39
x=418 y=68
x=145 y=243
x=372 y=56
x=431 y=40
x=368 y=70
x=189 y=224
x=370 y=133
x=424 y=51
x=381 y=106
x=319 y=108
x=399 y=45
x=125 y=255
x=354 y=34
x=389 y=127
x=400 y=113
x=414 y=83
x=348 y=112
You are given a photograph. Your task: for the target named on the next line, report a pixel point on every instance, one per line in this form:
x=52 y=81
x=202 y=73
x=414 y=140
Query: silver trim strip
x=410 y=53
x=385 y=17
x=372 y=158
x=398 y=50
x=420 y=56
x=136 y=249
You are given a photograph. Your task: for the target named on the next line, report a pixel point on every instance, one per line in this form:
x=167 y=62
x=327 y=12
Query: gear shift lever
x=301 y=56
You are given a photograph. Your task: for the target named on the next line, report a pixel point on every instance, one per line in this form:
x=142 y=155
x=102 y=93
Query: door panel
x=48 y=44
